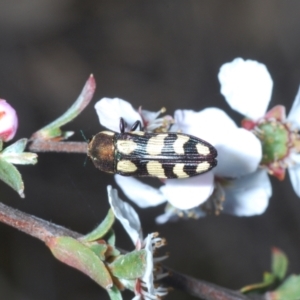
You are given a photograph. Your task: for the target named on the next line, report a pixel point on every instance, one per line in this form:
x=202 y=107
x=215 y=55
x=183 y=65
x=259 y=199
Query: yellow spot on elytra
x=178 y=144
x=202 y=167
x=178 y=170
x=155 y=168
x=155 y=144
x=126 y=146
x=202 y=150
x=107 y=132
x=138 y=132
x=126 y=166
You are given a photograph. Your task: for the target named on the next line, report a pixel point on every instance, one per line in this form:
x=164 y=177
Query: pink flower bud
x=8 y=121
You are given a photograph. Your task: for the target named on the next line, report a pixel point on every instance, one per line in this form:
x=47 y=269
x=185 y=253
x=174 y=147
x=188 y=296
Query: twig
x=42 y=230
x=53 y=146
x=202 y=289
x=32 y=225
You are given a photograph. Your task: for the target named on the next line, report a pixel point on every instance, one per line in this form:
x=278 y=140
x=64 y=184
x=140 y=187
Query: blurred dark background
x=151 y=53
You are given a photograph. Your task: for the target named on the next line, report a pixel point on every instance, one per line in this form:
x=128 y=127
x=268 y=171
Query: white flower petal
x=209 y=124
x=239 y=153
x=189 y=192
x=248 y=195
x=246 y=86
x=150 y=116
x=294 y=172
x=295 y=158
x=167 y=216
x=110 y=111
x=140 y=193
x=147 y=278
x=294 y=115
x=125 y=213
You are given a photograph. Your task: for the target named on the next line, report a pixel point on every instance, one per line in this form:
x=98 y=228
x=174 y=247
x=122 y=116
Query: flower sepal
x=14 y=154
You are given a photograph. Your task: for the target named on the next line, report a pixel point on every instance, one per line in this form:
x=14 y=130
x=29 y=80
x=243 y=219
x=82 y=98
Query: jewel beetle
x=163 y=155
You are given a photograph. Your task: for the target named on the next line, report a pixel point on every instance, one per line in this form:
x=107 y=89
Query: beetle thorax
x=101 y=151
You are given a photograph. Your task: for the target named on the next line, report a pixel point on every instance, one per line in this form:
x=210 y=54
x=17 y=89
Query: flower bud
x=8 y=121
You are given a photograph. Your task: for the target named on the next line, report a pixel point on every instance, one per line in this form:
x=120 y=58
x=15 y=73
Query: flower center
x=276 y=140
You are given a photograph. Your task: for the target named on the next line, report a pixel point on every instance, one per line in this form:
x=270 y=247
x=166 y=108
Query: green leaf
x=11 y=176
x=114 y=293
x=129 y=266
x=25 y=158
x=279 y=263
x=75 y=254
x=111 y=241
x=101 y=229
x=53 y=130
x=111 y=238
x=98 y=248
x=16 y=147
x=14 y=154
x=268 y=280
x=288 y=290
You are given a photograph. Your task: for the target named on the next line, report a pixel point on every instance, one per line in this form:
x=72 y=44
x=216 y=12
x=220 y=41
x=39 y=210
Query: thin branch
x=38 y=145
x=32 y=225
x=202 y=289
x=42 y=230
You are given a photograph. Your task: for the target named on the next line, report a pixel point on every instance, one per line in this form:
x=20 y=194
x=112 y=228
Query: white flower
x=8 y=121
x=126 y=215
x=247 y=87
x=110 y=111
x=239 y=154
x=144 y=286
x=243 y=197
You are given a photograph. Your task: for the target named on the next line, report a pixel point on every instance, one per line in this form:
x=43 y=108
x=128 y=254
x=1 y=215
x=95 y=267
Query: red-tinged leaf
x=288 y=290
x=53 y=131
x=75 y=254
x=279 y=263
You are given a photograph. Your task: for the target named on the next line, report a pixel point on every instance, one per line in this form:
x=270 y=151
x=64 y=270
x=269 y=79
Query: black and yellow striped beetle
x=162 y=155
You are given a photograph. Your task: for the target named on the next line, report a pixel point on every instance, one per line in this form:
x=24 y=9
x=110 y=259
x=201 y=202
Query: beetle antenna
x=83 y=135
x=136 y=125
